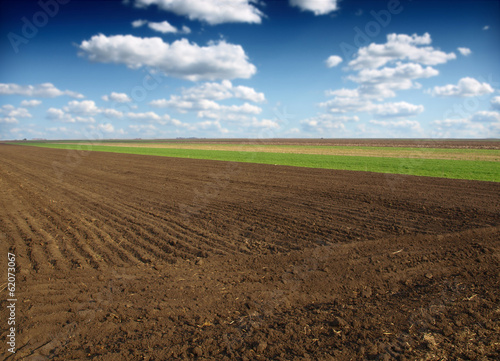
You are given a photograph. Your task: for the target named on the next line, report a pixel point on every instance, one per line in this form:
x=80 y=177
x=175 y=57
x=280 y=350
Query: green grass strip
x=455 y=169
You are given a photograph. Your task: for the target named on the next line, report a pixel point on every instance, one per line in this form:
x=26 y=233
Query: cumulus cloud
x=180 y=59
x=263 y=124
x=352 y=102
x=235 y=113
x=147 y=116
x=383 y=83
x=203 y=99
x=400 y=47
x=199 y=97
x=10 y=114
x=81 y=112
x=111 y=113
x=143 y=127
x=464 y=51
x=117 y=97
x=84 y=107
x=106 y=128
x=466 y=87
x=211 y=126
x=152 y=117
x=318 y=7
x=486 y=27
x=31 y=103
x=399 y=125
x=396 y=110
x=211 y=11
x=333 y=61
x=482 y=124
x=495 y=102
x=382 y=70
x=60 y=115
x=45 y=90
x=164 y=27
x=138 y=23
x=486 y=117
x=324 y=123
x=459 y=128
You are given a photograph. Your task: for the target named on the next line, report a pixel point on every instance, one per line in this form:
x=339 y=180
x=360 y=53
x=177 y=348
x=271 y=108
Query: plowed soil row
x=127 y=257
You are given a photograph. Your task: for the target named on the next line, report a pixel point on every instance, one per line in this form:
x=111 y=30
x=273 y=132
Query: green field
x=420 y=166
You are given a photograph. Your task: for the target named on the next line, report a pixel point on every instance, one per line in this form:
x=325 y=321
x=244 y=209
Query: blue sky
x=74 y=69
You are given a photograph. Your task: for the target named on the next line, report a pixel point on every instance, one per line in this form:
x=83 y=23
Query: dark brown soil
x=126 y=257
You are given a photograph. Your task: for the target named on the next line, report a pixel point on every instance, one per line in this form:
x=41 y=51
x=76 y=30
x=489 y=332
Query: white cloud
x=138 y=23
x=147 y=116
x=8 y=120
x=464 y=51
x=466 y=87
x=411 y=58
x=400 y=125
x=111 y=113
x=264 y=124
x=164 y=27
x=236 y=113
x=400 y=47
x=333 y=61
x=350 y=102
x=482 y=124
x=318 y=7
x=9 y=114
x=45 y=90
x=180 y=59
x=106 y=128
x=117 y=97
x=324 y=123
x=56 y=114
x=143 y=127
x=203 y=99
x=84 y=107
x=495 y=102
x=395 y=110
x=382 y=83
x=152 y=117
x=486 y=27
x=211 y=125
x=61 y=116
x=31 y=103
x=211 y=11
x=196 y=97
x=81 y=112
x=486 y=117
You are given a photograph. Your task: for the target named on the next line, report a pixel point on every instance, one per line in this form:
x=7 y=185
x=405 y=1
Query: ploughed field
x=132 y=257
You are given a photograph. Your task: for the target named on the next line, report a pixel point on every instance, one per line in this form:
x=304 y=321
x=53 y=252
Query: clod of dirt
x=339 y=322
x=261 y=347
x=197 y=351
x=430 y=340
x=367 y=292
